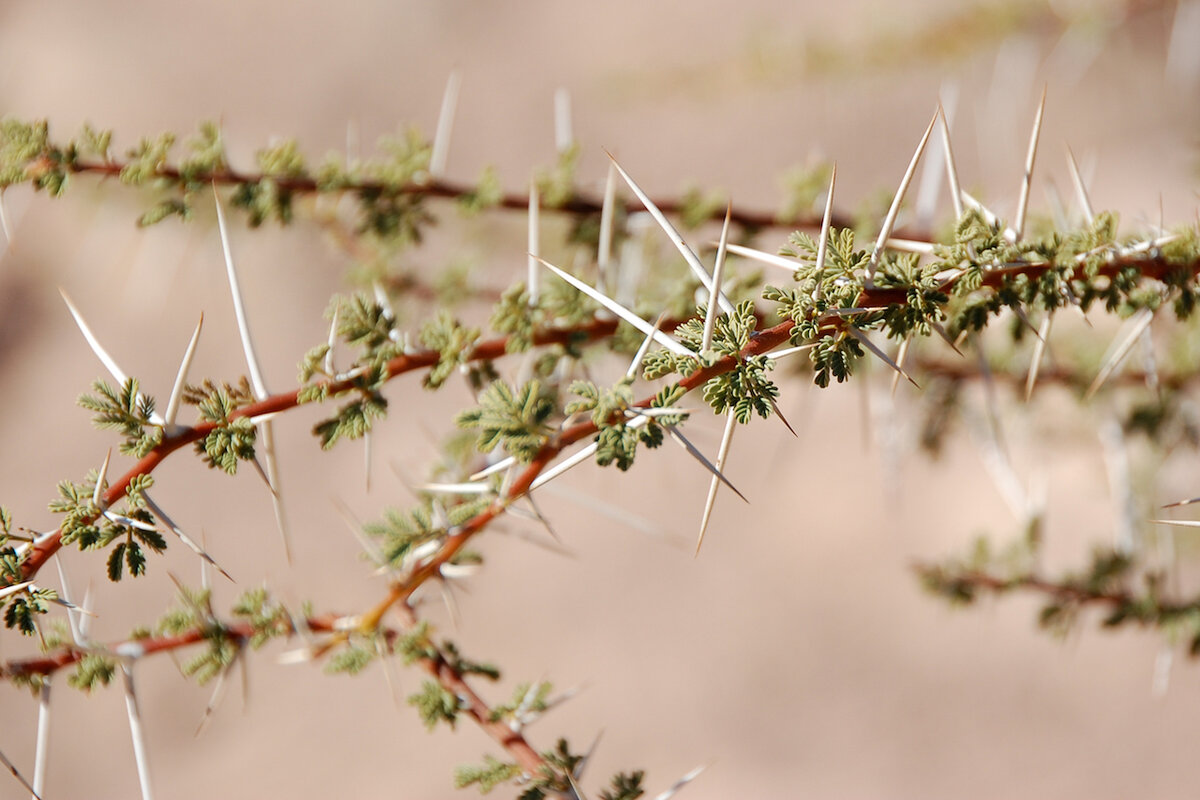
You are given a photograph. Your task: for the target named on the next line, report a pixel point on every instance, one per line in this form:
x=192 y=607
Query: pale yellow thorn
x=1135 y=325
x=951 y=169
x=889 y=222
x=136 y=731
x=41 y=749
x=710 y=318
x=695 y=453
x=98 y=491
x=1039 y=350
x=722 y=452
x=1081 y=192
x=826 y=221
x=16 y=773
x=882 y=356
x=256 y=379
x=445 y=126
x=620 y=310
x=604 y=249
x=901 y=357
x=534 y=241
x=1018 y=227
x=181 y=378
x=689 y=255
x=763 y=257
x=564 y=136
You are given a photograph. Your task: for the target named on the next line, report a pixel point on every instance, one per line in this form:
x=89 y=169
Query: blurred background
x=797 y=655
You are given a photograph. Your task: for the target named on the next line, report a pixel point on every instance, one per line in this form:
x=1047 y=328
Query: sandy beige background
x=797 y=656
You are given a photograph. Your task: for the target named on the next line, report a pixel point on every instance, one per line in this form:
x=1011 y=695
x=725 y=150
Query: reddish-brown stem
x=48 y=664
x=438 y=667
x=46 y=546
x=1151 y=266
x=763 y=341
x=1063 y=592
x=577 y=204
x=511 y=740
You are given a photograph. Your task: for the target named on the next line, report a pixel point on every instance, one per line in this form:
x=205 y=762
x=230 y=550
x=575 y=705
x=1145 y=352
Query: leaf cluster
x=129 y=527
x=125 y=410
x=515 y=418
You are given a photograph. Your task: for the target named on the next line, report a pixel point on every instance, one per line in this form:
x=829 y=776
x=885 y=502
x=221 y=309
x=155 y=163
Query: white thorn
x=710 y=318
x=136 y=731
x=181 y=378
x=693 y=261
x=72 y=612
x=901 y=357
x=1134 y=327
x=889 y=222
x=1081 y=192
x=4 y=223
x=1178 y=523
x=640 y=355
x=604 y=254
x=109 y=363
x=695 y=453
x=16 y=773
x=722 y=452
x=563 y=135
x=622 y=312
x=567 y=463
x=190 y=543
x=763 y=257
x=499 y=466
x=333 y=325
x=239 y=308
x=1026 y=181
x=882 y=356
x=911 y=246
x=14 y=588
x=98 y=492
x=776 y=354
x=281 y=522
x=454 y=488
x=531 y=283
x=951 y=170
x=1039 y=350
x=41 y=751
x=445 y=125
x=679 y=784
x=826 y=221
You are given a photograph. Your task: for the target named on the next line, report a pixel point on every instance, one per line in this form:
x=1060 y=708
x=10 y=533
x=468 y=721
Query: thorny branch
x=579 y=204
x=240 y=633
